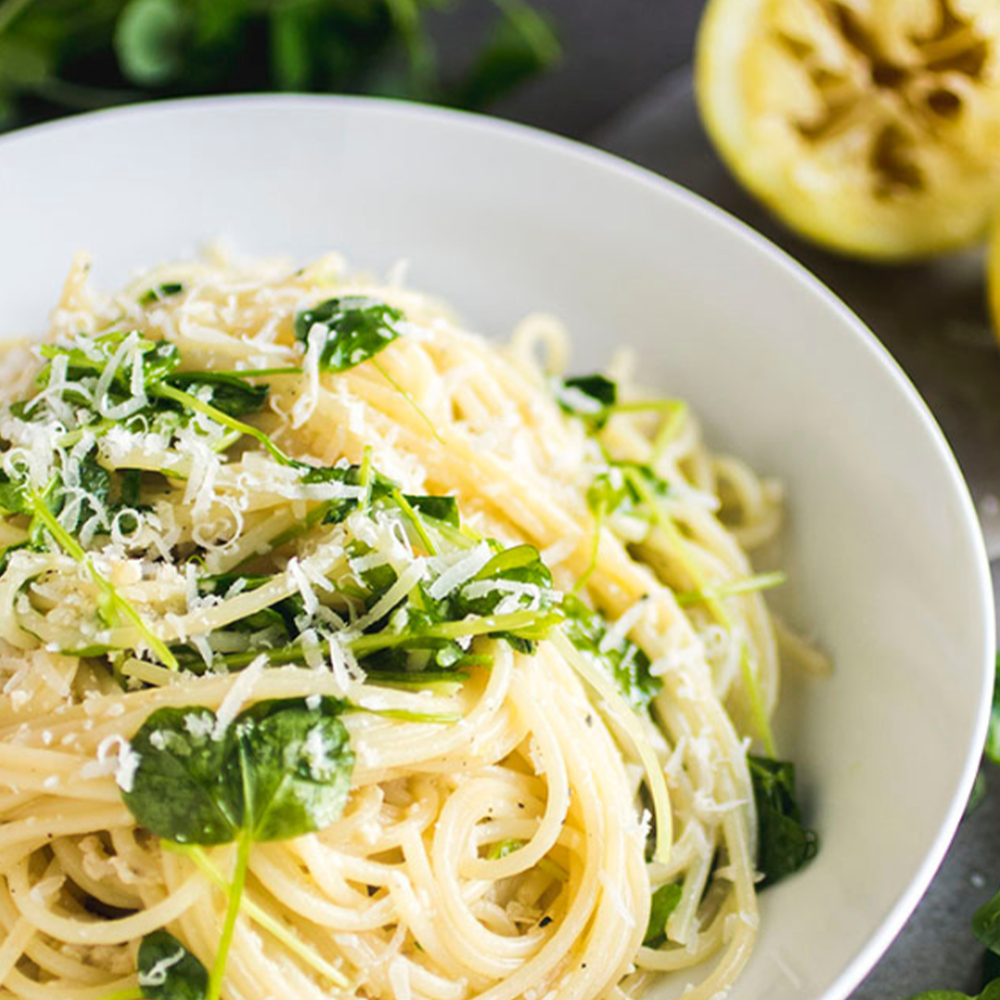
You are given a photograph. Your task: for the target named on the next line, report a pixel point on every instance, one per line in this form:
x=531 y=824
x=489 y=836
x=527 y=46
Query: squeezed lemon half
x=870 y=126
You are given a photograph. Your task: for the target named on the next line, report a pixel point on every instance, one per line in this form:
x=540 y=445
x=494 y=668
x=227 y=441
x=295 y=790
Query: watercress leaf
x=622 y=659
x=294 y=764
x=587 y=397
x=91 y=496
x=354 y=328
x=13 y=496
x=160 y=292
x=168 y=971
x=440 y=508
x=231 y=394
x=608 y=492
x=784 y=843
x=335 y=511
x=129 y=487
x=664 y=902
x=179 y=790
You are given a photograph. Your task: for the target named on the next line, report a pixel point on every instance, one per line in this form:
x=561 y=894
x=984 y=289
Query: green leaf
x=231 y=394
x=294 y=763
x=623 y=659
x=992 y=748
x=13 y=496
x=986 y=924
x=353 y=329
x=160 y=292
x=588 y=398
x=149 y=41
x=440 y=508
x=990 y=992
x=664 y=902
x=784 y=844
x=522 y=44
x=179 y=789
x=168 y=971
x=288 y=49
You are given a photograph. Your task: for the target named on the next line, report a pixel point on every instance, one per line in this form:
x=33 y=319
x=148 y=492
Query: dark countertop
x=626 y=87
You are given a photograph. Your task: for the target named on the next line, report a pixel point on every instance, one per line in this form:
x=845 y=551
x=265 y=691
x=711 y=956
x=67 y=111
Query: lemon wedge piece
x=870 y=126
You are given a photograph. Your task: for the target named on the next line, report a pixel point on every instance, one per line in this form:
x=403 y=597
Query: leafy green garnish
x=990 y=992
x=992 y=748
x=588 y=397
x=57 y=56
x=231 y=394
x=160 y=292
x=280 y=769
x=664 y=902
x=784 y=844
x=168 y=971
x=623 y=659
x=353 y=328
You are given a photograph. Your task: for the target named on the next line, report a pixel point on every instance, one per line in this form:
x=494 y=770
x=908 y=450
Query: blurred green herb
x=62 y=55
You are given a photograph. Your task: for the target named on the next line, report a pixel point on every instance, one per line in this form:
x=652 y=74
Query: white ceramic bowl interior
x=882 y=546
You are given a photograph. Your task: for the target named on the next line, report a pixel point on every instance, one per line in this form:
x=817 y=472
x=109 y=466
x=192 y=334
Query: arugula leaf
x=179 y=790
x=294 y=764
x=588 y=397
x=624 y=660
x=355 y=329
x=665 y=900
x=229 y=393
x=168 y=971
x=784 y=844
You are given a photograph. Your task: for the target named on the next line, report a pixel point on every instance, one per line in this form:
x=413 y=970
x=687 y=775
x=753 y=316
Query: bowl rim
x=658 y=186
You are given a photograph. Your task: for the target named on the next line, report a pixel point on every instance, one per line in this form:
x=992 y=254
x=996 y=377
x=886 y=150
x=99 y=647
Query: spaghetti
x=512 y=612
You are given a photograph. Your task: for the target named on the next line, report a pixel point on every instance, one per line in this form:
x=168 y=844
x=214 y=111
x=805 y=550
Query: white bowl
x=883 y=547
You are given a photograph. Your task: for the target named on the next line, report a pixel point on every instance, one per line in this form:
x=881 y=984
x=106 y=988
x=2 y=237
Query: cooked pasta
x=346 y=653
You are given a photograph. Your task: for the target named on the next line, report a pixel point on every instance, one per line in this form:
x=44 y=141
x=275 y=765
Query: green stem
x=663 y=521
x=746 y=585
x=643 y=405
x=420 y=413
x=414 y=518
x=595 y=548
x=232 y=911
x=515 y=621
x=263 y=372
x=132 y=993
x=259 y=916
x=75 y=551
x=166 y=391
